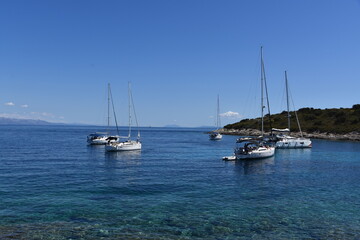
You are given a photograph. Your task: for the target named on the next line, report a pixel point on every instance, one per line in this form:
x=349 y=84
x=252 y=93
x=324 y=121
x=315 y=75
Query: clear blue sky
x=56 y=57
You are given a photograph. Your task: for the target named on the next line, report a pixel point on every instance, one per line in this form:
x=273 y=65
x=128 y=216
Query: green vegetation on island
x=337 y=121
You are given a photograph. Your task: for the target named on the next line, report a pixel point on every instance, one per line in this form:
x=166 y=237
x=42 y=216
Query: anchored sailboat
x=214 y=135
x=283 y=136
x=102 y=138
x=129 y=144
x=249 y=148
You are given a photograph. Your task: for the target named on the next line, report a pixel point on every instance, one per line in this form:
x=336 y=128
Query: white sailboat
x=283 y=136
x=214 y=135
x=250 y=148
x=102 y=138
x=129 y=144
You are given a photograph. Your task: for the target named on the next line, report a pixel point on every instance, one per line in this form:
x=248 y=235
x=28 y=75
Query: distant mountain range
x=18 y=121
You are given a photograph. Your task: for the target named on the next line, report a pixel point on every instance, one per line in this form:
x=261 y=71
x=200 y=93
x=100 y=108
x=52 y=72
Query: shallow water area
x=54 y=186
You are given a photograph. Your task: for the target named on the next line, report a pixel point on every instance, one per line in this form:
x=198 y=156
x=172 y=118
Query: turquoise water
x=54 y=186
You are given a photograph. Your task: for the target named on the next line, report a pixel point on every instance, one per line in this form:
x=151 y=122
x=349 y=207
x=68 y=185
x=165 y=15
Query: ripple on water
x=177 y=187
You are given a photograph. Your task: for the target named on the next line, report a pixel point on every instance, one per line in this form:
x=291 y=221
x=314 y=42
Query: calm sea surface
x=54 y=186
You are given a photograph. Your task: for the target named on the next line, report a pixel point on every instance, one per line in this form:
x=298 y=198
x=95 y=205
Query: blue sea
x=54 y=186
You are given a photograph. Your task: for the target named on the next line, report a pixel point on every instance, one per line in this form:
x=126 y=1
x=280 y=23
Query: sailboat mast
x=113 y=108
x=287 y=100
x=108 y=113
x=264 y=85
x=218 y=113
x=129 y=96
x=262 y=93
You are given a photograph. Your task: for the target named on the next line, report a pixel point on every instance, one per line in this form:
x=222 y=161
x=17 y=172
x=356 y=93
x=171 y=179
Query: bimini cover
x=280 y=130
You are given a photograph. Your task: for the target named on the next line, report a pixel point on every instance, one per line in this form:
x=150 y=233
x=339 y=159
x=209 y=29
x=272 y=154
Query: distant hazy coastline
x=20 y=121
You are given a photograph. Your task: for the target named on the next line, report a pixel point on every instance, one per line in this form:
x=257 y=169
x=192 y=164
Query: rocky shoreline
x=352 y=136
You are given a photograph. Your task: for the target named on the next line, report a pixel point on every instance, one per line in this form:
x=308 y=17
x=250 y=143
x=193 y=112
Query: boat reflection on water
x=122 y=168
x=127 y=156
x=94 y=148
x=95 y=153
x=256 y=166
x=294 y=154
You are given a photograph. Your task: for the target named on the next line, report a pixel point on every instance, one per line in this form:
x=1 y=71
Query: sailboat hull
x=97 y=142
x=123 y=146
x=97 y=139
x=293 y=143
x=285 y=141
x=215 y=136
x=262 y=152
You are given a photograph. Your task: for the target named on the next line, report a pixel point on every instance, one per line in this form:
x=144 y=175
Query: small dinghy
x=229 y=158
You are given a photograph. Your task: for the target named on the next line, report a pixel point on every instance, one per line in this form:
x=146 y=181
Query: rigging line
x=297 y=118
x=251 y=93
x=282 y=100
x=112 y=103
x=133 y=107
x=287 y=101
x=104 y=104
x=262 y=93
x=218 y=112
x=215 y=118
x=215 y=121
x=267 y=97
x=108 y=108
x=129 y=99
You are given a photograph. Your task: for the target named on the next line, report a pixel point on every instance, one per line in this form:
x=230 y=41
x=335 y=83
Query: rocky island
x=332 y=124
